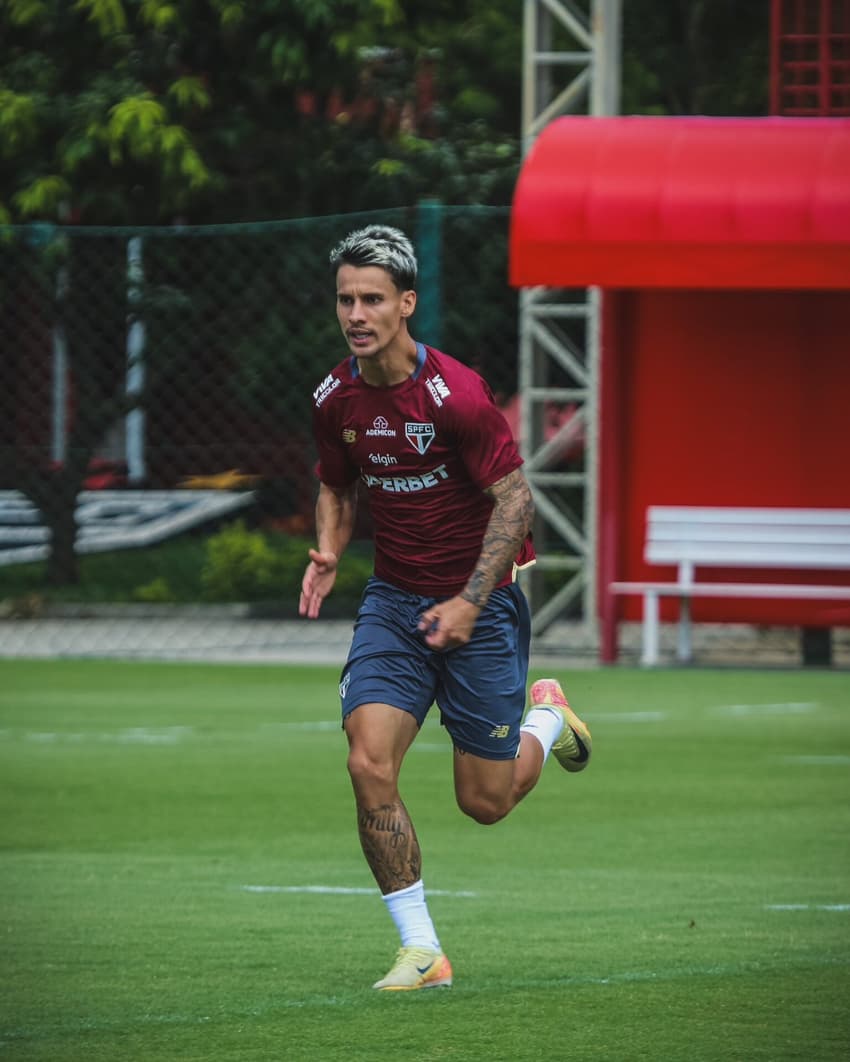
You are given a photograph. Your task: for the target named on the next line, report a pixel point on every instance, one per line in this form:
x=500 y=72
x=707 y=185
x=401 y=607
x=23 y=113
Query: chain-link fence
x=157 y=381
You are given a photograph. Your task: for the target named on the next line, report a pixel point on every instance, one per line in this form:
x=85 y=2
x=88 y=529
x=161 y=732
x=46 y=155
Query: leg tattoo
x=390 y=845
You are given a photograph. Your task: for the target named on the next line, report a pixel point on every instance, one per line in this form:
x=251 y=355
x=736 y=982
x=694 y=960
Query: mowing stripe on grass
x=349 y=998
x=818 y=761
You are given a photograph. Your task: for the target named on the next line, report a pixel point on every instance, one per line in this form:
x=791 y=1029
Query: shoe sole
x=416 y=988
x=582 y=736
x=444 y=980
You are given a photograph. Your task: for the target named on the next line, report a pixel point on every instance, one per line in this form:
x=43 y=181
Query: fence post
x=429 y=244
x=134 y=422
x=59 y=403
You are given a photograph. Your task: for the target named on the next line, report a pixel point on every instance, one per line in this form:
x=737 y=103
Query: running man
x=442 y=620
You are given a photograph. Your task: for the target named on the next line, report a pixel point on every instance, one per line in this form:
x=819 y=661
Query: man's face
x=370 y=309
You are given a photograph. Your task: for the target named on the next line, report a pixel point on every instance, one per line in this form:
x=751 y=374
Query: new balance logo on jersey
x=437 y=386
x=420 y=436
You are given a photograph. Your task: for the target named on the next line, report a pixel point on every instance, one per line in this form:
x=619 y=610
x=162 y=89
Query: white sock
x=546 y=725
x=410 y=913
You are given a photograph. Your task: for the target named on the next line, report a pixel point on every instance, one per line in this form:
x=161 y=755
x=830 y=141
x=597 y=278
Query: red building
x=723 y=250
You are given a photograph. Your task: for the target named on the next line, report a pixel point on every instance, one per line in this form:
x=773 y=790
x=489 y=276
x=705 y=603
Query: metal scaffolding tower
x=571 y=63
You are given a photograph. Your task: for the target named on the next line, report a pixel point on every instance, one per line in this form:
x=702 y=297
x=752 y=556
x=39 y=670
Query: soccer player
x=442 y=618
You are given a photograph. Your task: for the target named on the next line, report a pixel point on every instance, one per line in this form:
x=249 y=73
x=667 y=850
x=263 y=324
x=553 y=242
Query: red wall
x=727 y=398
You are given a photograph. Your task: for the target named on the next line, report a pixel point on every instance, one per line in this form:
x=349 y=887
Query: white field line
x=343 y=890
x=309 y=725
x=807 y=907
x=627 y=717
x=780 y=708
x=137 y=735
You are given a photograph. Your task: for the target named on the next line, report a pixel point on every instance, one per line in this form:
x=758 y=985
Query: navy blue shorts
x=479 y=687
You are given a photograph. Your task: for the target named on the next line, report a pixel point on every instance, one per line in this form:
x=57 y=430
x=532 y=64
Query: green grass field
x=181 y=878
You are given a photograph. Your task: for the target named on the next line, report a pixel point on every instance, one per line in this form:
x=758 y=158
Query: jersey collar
x=420 y=363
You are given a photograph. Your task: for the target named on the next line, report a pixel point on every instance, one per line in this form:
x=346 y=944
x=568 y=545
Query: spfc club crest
x=420 y=436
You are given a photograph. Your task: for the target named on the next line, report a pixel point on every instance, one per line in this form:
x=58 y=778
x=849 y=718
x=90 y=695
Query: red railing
x=810 y=58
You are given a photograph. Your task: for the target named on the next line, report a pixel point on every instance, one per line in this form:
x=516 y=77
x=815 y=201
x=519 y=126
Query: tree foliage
x=143 y=112
x=140 y=111
x=695 y=57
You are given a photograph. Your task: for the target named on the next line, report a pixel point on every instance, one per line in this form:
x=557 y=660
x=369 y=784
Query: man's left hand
x=450 y=623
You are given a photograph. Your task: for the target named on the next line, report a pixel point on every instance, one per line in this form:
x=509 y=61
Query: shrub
x=239 y=566
x=157 y=591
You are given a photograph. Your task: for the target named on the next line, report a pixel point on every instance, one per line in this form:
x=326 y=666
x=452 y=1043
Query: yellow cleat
x=417 y=968
x=572 y=749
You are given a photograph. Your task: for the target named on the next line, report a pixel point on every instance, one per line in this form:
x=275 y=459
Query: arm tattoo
x=510 y=522
x=389 y=843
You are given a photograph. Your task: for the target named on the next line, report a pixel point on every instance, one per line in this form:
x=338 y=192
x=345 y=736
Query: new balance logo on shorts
x=500 y=731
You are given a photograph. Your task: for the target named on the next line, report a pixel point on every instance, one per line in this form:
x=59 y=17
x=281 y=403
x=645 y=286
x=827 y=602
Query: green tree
x=695 y=57
x=141 y=112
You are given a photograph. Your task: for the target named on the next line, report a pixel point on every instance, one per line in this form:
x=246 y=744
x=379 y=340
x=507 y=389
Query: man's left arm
x=450 y=623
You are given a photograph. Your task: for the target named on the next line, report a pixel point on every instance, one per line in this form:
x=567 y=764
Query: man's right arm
x=336 y=509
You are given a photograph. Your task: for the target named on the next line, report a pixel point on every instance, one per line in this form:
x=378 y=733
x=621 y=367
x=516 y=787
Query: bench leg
x=609 y=636
x=816 y=646
x=684 y=651
x=650 y=629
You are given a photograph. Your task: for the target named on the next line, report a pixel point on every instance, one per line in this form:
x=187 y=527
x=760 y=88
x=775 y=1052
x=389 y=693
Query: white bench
x=697 y=537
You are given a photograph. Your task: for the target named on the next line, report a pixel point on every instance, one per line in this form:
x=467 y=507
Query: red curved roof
x=684 y=203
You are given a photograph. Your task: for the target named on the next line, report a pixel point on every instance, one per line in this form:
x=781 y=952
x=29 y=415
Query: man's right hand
x=317 y=583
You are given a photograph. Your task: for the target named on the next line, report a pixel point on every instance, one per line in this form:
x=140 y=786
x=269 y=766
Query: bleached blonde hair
x=382 y=246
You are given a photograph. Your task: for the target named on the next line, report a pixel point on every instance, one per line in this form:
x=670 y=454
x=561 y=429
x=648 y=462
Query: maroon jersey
x=426 y=449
